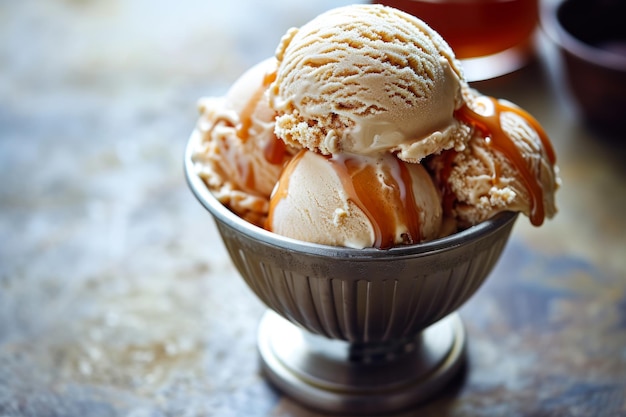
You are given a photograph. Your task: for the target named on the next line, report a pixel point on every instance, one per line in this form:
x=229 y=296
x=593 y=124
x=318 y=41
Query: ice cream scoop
x=508 y=164
x=368 y=79
x=237 y=153
x=355 y=201
x=393 y=146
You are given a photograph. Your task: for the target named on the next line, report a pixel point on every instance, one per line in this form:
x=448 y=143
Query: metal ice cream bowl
x=358 y=330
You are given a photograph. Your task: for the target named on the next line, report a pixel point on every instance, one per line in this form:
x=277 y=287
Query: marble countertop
x=117 y=297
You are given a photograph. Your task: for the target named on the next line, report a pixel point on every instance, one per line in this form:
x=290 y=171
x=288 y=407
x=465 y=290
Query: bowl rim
x=223 y=214
x=552 y=27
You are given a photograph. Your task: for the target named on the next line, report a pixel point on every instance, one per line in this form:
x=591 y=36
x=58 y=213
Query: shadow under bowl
x=362 y=296
x=591 y=39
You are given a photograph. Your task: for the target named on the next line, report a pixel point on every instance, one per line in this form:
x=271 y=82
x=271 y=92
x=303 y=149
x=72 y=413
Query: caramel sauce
x=245 y=117
x=361 y=182
x=269 y=78
x=379 y=203
x=281 y=190
x=275 y=151
x=246 y=172
x=478 y=27
x=497 y=138
x=447 y=196
x=410 y=212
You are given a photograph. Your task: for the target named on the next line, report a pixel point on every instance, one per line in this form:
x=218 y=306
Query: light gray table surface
x=117 y=297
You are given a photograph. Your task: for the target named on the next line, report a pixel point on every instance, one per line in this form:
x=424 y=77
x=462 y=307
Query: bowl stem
x=340 y=377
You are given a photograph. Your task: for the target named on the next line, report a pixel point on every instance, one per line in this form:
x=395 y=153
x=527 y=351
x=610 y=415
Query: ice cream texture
x=237 y=153
x=355 y=201
x=367 y=79
x=362 y=132
x=508 y=164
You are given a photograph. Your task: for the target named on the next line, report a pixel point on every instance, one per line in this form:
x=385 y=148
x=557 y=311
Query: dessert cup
x=358 y=331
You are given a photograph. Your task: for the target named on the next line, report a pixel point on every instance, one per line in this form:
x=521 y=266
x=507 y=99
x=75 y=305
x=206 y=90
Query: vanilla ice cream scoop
x=367 y=79
x=355 y=201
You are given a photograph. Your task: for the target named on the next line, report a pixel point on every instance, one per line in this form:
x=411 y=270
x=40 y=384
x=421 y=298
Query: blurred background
x=117 y=297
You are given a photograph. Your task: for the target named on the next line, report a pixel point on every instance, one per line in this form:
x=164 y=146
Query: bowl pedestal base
x=370 y=378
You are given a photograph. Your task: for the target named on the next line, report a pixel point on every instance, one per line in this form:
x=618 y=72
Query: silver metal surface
x=326 y=374
x=375 y=300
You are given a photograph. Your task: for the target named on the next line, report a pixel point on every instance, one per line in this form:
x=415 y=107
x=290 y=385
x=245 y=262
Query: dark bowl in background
x=591 y=38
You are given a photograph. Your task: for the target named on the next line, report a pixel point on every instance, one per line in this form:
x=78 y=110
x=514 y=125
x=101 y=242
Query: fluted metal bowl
x=358 y=295
x=379 y=303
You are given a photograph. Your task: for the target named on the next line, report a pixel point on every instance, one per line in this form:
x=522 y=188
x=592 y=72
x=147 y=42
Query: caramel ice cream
x=362 y=132
x=355 y=201
x=508 y=164
x=368 y=79
x=236 y=152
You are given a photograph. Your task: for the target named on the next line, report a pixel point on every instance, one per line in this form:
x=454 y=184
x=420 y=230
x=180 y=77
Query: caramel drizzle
x=274 y=151
x=447 y=195
x=282 y=187
x=362 y=185
x=491 y=128
x=245 y=118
